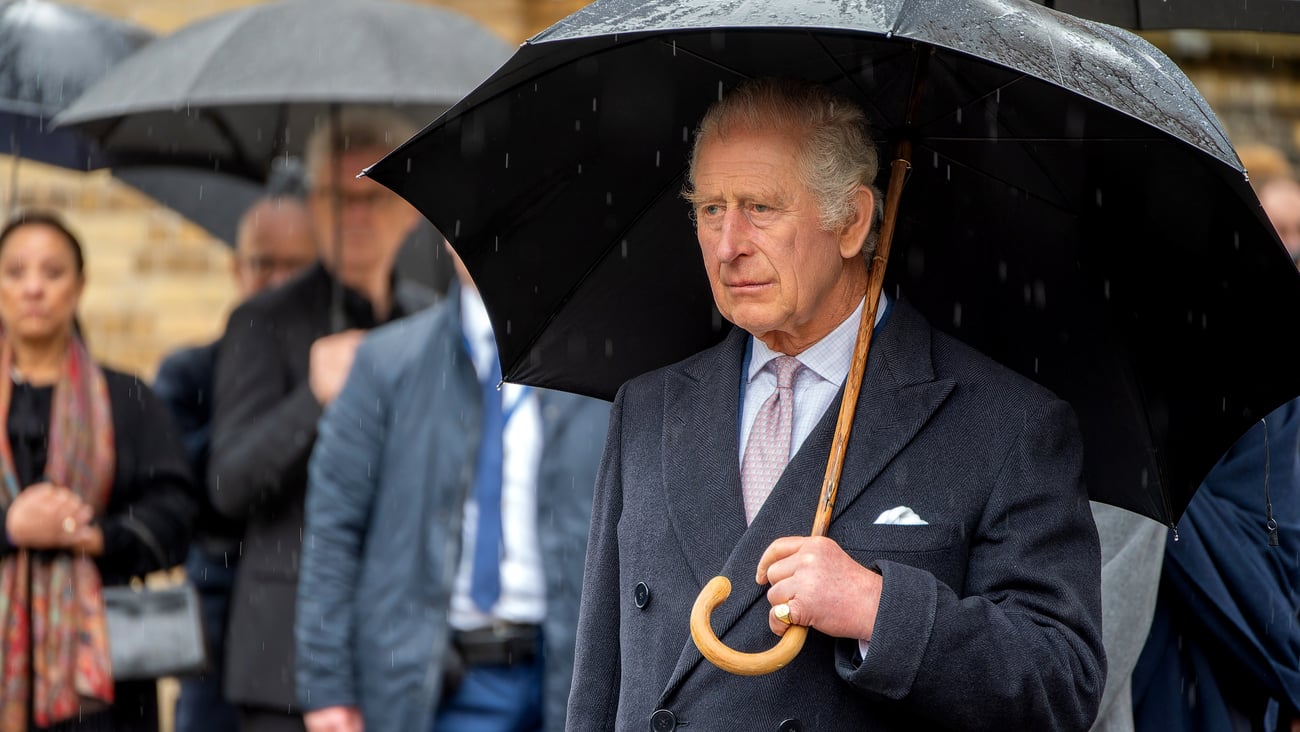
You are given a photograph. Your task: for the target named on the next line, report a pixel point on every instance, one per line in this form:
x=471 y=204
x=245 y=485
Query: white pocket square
x=901 y=516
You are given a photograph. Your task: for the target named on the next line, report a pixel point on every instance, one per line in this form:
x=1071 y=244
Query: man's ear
x=853 y=235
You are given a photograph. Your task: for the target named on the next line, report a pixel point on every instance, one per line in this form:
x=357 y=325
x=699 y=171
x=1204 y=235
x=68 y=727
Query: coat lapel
x=701 y=464
x=899 y=395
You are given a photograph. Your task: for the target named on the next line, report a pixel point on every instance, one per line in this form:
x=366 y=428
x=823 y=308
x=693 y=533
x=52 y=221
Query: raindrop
x=496 y=244
x=959 y=115
x=1205 y=321
x=579 y=168
x=1035 y=364
x=408 y=165
x=593 y=104
x=936 y=160
x=656 y=158
x=686 y=133
x=956 y=314
x=674 y=48
x=1029 y=294
x=577 y=125
x=1002 y=271
x=948 y=173
x=507 y=161
x=1190 y=317
x=534 y=86
x=719 y=90
x=609 y=348
x=457 y=228
x=997 y=95
x=1040 y=294
x=1105 y=289
x=509 y=327
x=609 y=198
x=623 y=247
x=1236 y=241
x=1098 y=198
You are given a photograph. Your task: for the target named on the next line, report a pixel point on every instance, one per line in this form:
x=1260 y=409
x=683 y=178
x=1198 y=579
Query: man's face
x=1281 y=201
x=773 y=270
x=373 y=220
x=273 y=246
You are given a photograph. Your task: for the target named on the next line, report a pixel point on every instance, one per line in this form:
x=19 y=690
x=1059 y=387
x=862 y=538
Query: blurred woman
x=93 y=475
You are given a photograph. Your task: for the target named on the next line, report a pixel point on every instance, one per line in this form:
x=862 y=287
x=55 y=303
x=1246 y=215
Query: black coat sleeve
x=152 y=484
x=264 y=422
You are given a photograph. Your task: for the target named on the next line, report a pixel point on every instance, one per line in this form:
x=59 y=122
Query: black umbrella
x=1074 y=209
x=241 y=89
x=1275 y=16
x=49 y=55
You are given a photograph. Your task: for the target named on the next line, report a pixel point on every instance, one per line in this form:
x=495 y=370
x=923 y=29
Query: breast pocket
x=937 y=548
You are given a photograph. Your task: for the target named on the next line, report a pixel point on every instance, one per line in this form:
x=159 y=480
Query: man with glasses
x=273 y=243
x=285 y=355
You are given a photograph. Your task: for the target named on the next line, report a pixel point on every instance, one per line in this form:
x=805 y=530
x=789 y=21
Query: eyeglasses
x=376 y=198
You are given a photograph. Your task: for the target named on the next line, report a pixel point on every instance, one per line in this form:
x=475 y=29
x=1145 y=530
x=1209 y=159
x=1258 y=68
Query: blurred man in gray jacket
x=445 y=532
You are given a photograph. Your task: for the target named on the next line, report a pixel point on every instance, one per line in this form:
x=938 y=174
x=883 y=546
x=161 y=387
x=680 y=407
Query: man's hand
x=823 y=586
x=331 y=360
x=47 y=516
x=334 y=719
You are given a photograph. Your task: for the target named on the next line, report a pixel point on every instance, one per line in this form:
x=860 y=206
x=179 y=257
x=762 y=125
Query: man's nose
x=733 y=234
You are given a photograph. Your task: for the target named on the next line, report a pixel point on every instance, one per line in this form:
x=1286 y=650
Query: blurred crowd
x=384 y=536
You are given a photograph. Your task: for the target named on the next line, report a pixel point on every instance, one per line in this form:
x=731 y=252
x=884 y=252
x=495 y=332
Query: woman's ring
x=782 y=612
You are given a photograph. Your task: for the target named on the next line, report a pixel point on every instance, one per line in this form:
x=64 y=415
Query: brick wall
x=156 y=281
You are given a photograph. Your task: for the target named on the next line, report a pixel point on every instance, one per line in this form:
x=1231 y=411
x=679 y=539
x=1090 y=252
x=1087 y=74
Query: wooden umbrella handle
x=717 y=590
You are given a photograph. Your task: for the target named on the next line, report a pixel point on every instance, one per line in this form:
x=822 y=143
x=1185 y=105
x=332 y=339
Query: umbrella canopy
x=237 y=90
x=1074 y=208
x=1275 y=16
x=49 y=55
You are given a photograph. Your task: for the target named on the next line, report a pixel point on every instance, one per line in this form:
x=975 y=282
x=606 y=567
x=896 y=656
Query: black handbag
x=154 y=631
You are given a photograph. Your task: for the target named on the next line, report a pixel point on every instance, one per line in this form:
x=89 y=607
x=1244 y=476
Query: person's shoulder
x=126 y=389
x=189 y=359
x=298 y=293
x=414 y=296
x=405 y=340
x=703 y=365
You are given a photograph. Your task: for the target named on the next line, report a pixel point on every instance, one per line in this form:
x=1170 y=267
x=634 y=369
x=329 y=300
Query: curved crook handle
x=732 y=661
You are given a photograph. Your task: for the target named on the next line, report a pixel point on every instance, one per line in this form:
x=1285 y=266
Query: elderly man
x=274 y=243
x=958 y=586
x=280 y=362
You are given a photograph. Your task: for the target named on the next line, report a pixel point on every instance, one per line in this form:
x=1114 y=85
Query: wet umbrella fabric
x=236 y=91
x=1272 y=16
x=49 y=54
x=1074 y=209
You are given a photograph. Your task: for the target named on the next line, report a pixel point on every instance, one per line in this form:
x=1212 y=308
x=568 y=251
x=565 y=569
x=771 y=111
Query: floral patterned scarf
x=54 y=662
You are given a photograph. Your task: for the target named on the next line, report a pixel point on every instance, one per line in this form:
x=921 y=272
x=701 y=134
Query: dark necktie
x=485 y=579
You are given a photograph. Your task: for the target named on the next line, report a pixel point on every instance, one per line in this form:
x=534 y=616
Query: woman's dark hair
x=53 y=221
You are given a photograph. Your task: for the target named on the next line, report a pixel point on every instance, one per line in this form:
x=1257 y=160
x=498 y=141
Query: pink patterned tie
x=768 y=449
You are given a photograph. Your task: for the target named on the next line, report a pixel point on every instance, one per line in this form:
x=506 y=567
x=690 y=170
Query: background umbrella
x=1276 y=16
x=238 y=90
x=1074 y=209
x=49 y=54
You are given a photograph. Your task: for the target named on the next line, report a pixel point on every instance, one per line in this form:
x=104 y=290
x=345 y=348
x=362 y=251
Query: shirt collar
x=477 y=329
x=829 y=357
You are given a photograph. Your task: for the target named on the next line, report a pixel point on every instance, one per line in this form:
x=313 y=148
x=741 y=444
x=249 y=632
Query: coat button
x=662 y=720
x=790 y=725
x=641 y=596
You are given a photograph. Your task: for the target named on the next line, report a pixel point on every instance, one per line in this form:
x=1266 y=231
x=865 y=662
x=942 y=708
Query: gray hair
x=358 y=128
x=836 y=152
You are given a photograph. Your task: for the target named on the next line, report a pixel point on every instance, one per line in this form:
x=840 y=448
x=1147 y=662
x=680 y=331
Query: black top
x=151 y=480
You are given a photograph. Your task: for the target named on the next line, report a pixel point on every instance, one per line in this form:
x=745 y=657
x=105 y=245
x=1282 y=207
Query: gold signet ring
x=782 y=612
x=69 y=525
